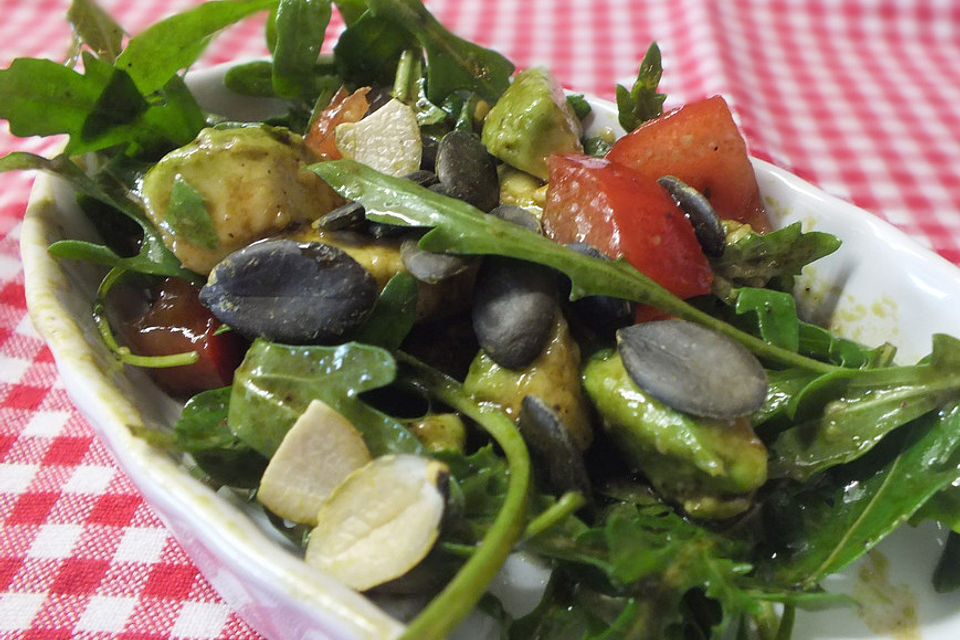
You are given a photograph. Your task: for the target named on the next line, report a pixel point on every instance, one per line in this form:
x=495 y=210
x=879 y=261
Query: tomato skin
x=176 y=322
x=343 y=107
x=625 y=214
x=700 y=144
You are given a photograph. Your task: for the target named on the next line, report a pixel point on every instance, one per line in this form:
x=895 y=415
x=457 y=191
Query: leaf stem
x=567 y=504
x=466 y=588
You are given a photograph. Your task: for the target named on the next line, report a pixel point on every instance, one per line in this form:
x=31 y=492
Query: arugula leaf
x=776 y=315
x=581 y=108
x=350 y=10
x=944 y=508
x=251 y=79
x=482 y=480
x=946 y=576
x=119 y=102
x=153 y=258
x=368 y=51
x=861 y=408
x=301 y=27
x=596 y=146
x=452 y=62
x=782 y=386
x=276 y=382
x=202 y=431
x=99 y=109
x=754 y=259
x=43 y=98
x=188 y=217
x=820 y=343
x=825 y=528
x=653 y=556
x=458 y=227
x=393 y=314
x=409 y=88
x=154 y=56
x=642 y=102
x=95 y=28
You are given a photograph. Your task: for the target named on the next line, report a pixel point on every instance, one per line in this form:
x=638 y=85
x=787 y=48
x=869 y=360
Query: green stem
x=401 y=83
x=124 y=354
x=786 y=623
x=466 y=588
x=567 y=504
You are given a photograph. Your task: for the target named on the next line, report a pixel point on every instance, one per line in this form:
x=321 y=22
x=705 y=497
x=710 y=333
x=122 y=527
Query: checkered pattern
x=858 y=97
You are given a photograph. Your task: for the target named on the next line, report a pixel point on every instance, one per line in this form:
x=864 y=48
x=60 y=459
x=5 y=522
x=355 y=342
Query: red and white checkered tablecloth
x=860 y=98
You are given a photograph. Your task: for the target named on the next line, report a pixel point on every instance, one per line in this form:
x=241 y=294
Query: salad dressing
x=888 y=609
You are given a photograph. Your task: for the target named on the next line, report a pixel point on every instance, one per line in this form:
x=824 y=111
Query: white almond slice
x=387 y=140
x=319 y=451
x=381 y=522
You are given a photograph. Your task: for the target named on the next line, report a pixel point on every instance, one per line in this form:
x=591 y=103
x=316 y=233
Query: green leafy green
x=370 y=49
x=946 y=576
x=393 y=315
x=596 y=146
x=943 y=508
x=410 y=88
x=581 y=107
x=652 y=558
x=275 y=384
x=826 y=527
x=188 y=217
x=154 y=56
x=251 y=79
x=153 y=258
x=95 y=28
x=825 y=345
x=482 y=480
x=350 y=10
x=452 y=62
x=203 y=432
x=843 y=415
x=754 y=259
x=301 y=27
x=99 y=109
x=642 y=102
x=776 y=315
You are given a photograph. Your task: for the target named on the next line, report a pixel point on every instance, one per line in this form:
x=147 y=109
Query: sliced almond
x=381 y=522
x=319 y=451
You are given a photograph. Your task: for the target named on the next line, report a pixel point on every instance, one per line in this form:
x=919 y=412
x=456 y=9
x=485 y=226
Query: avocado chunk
x=710 y=467
x=553 y=377
x=530 y=121
x=252 y=183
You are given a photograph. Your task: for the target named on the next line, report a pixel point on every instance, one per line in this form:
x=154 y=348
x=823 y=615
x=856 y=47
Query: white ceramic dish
x=879 y=287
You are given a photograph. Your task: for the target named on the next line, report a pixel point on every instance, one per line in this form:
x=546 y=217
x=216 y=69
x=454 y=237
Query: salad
x=428 y=325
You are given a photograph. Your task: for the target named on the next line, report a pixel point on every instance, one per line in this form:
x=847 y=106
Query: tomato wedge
x=177 y=322
x=700 y=144
x=625 y=214
x=343 y=107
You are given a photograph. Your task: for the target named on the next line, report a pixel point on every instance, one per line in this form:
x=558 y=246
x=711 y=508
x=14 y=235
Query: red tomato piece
x=700 y=144
x=625 y=214
x=343 y=107
x=177 y=322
